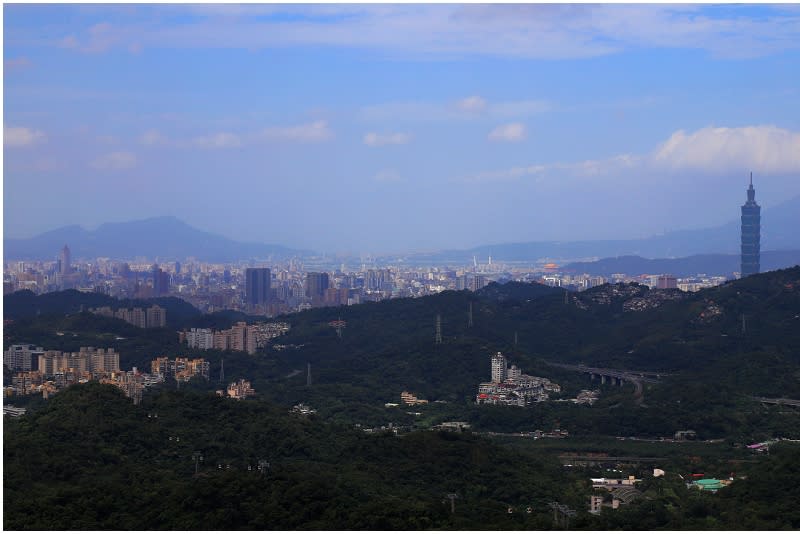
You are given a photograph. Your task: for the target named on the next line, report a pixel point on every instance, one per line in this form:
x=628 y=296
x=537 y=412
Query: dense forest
x=90 y=460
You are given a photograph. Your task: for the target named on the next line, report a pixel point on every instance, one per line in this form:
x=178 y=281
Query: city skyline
x=330 y=127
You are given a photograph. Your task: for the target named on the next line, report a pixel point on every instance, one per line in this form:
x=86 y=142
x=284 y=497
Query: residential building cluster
x=241 y=389
x=510 y=387
x=153 y=317
x=45 y=372
x=410 y=399
x=180 y=369
x=240 y=337
x=26 y=357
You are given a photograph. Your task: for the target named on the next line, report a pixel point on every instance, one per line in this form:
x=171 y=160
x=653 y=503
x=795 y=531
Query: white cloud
x=472 y=104
x=99 y=38
x=512 y=132
x=153 y=138
x=219 y=140
x=766 y=149
x=469 y=108
x=387 y=176
x=311 y=132
x=18 y=136
x=376 y=139
x=708 y=151
x=508 y=174
x=115 y=161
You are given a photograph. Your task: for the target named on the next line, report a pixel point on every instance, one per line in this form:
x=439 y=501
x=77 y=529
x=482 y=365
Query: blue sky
x=378 y=128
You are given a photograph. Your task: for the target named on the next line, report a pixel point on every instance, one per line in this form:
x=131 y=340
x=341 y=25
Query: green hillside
x=713 y=366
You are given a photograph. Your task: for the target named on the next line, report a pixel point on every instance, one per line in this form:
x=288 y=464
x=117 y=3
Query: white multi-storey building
x=498 y=368
x=20 y=357
x=201 y=338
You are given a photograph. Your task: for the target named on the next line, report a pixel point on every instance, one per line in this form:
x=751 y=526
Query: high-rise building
x=666 y=281
x=138 y=317
x=160 y=281
x=378 y=279
x=316 y=284
x=65 y=258
x=499 y=370
x=751 y=233
x=156 y=317
x=22 y=357
x=257 y=286
x=201 y=338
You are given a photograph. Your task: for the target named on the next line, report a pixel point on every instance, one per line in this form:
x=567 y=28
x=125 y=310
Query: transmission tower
x=197 y=456
x=339 y=326
x=222 y=371
x=744 y=325
x=561 y=514
x=438 y=328
x=452 y=497
x=515 y=338
x=308 y=375
x=469 y=323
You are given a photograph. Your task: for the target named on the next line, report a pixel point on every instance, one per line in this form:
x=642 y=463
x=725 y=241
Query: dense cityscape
x=271 y=289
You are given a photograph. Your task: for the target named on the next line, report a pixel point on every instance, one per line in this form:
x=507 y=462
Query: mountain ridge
x=778 y=231
x=710 y=264
x=164 y=237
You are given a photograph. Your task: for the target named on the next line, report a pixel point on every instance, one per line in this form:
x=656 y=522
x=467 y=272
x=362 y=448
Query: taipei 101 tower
x=751 y=233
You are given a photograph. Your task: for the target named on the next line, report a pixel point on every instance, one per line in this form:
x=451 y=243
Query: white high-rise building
x=201 y=338
x=20 y=357
x=498 y=368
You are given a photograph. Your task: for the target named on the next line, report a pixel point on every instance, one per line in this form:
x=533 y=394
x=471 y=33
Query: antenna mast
x=438 y=328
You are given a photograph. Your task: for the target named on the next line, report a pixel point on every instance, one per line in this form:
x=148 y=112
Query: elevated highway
x=787 y=402
x=617 y=376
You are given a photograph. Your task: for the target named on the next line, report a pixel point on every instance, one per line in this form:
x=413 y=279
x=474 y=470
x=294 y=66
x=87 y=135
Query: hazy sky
x=394 y=127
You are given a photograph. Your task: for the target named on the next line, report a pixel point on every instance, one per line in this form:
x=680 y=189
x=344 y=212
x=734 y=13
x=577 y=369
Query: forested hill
x=113 y=465
x=25 y=304
x=91 y=460
x=518 y=291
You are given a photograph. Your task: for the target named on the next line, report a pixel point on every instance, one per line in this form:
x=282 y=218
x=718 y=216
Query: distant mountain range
x=165 y=238
x=710 y=264
x=779 y=226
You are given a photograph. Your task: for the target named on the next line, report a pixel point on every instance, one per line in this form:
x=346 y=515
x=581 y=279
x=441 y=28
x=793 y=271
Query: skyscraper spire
x=751 y=233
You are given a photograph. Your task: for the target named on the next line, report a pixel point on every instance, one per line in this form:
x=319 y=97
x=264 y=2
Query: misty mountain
x=710 y=264
x=165 y=238
x=779 y=226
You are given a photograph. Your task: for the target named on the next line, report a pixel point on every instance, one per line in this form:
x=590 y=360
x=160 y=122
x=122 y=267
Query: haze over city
x=398 y=127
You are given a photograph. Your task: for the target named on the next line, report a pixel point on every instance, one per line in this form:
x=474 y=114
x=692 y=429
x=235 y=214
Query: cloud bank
x=763 y=149
x=538 y=31
x=19 y=136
